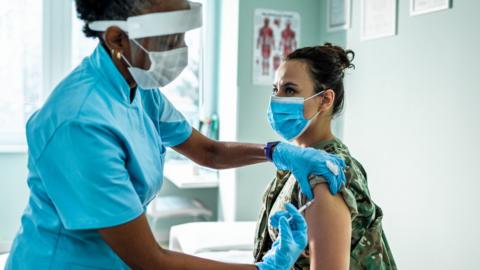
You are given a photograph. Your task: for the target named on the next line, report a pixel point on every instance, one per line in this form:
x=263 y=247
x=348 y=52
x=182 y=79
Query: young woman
x=344 y=231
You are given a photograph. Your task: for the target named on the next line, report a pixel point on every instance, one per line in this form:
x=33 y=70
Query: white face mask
x=165 y=67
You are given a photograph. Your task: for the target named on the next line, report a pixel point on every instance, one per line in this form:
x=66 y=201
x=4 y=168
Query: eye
x=290 y=91
x=172 y=45
x=274 y=90
x=173 y=42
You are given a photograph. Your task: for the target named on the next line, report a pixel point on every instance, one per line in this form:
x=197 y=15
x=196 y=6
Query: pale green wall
x=412 y=118
x=337 y=37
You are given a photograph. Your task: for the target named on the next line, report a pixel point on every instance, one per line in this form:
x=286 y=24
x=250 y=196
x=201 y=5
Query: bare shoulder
x=327 y=209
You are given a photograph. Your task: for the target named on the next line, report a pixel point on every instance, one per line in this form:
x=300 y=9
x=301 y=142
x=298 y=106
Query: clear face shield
x=160 y=42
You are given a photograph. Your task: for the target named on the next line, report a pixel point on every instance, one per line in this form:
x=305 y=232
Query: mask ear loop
x=317 y=94
x=140 y=45
x=125 y=59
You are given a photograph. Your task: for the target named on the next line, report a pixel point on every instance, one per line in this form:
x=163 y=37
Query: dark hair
x=327 y=65
x=95 y=10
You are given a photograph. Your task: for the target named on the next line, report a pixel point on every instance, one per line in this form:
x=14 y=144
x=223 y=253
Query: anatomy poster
x=276 y=34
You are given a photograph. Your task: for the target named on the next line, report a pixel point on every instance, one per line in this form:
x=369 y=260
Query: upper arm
x=174 y=127
x=176 y=132
x=329 y=230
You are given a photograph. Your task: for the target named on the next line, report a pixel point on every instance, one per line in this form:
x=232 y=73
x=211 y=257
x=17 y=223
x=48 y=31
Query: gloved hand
x=303 y=162
x=291 y=242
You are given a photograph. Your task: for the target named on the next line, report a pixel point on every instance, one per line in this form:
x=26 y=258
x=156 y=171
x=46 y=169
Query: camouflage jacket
x=369 y=246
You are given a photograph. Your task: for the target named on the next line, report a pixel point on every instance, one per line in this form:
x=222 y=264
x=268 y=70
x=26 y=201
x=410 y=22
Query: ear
x=117 y=42
x=327 y=101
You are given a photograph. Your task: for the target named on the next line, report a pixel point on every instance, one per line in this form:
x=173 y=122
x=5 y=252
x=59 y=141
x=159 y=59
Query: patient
x=344 y=231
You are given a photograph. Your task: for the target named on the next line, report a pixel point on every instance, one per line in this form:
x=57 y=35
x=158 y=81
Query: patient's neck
x=318 y=131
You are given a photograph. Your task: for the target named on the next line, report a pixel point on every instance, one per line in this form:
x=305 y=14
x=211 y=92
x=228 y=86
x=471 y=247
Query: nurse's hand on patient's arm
x=303 y=162
x=134 y=243
x=329 y=231
x=220 y=155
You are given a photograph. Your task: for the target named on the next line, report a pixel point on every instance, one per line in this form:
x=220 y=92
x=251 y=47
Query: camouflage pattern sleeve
x=369 y=250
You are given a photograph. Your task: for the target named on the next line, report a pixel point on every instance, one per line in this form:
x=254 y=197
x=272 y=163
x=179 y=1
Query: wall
x=338 y=38
x=412 y=118
x=243 y=105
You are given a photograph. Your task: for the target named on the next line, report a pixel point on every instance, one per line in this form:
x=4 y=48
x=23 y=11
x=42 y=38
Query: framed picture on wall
x=338 y=15
x=378 y=19
x=418 y=7
x=276 y=35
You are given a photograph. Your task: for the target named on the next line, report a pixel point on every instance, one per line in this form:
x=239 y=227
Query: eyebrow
x=286 y=84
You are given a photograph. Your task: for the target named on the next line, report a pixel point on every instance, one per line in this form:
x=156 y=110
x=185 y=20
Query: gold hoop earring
x=117 y=55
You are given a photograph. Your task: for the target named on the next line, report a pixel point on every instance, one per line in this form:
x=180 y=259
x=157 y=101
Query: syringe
x=302 y=209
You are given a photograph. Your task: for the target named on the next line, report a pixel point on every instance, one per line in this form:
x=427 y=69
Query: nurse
x=97 y=147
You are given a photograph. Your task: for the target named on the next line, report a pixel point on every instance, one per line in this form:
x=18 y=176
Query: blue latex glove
x=303 y=162
x=291 y=242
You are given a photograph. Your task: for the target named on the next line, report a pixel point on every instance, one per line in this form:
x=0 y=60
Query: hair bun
x=345 y=57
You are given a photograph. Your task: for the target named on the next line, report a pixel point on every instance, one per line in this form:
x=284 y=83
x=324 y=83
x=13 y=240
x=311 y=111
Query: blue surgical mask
x=286 y=116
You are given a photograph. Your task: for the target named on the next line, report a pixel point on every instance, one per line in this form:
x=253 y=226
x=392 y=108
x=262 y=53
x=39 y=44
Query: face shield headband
x=156 y=24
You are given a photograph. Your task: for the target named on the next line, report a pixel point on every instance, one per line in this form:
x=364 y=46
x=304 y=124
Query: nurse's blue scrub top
x=95 y=161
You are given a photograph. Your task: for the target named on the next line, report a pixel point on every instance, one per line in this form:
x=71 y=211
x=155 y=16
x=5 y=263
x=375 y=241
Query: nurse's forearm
x=220 y=155
x=135 y=244
x=232 y=155
x=179 y=261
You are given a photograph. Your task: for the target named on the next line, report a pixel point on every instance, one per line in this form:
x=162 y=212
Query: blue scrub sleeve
x=174 y=127
x=83 y=169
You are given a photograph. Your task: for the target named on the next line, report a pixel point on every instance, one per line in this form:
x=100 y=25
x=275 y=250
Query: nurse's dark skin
x=134 y=241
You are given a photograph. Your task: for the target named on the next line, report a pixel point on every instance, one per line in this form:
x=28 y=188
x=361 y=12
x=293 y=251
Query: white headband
x=156 y=24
